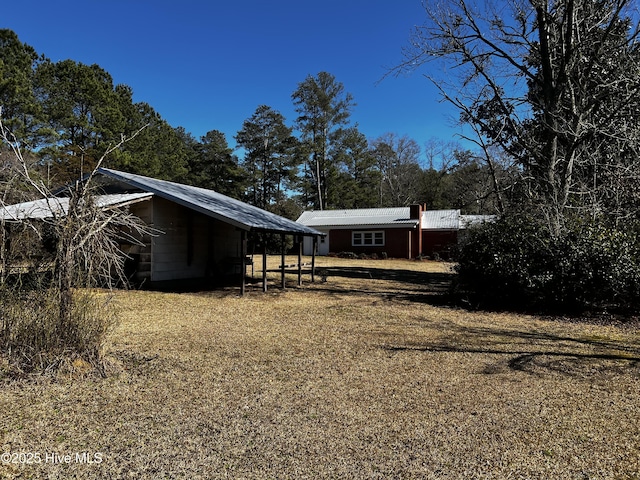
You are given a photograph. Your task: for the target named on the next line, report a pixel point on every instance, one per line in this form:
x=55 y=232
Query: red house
x=402 y=232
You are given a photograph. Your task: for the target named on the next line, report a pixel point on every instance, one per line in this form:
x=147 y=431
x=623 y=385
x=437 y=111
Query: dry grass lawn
x=365 y=375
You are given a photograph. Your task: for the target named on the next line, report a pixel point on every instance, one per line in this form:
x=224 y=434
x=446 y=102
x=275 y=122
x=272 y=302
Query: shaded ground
x=346 y=378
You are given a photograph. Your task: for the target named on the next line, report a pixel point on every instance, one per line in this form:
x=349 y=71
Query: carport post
x=284 y=248
x=313 y=258
x=300 y=260
x=243 y=259
x=264 y=262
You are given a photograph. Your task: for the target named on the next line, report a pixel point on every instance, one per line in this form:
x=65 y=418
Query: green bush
x=517 y=263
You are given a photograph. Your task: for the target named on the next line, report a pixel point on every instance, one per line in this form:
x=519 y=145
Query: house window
x=367 y=239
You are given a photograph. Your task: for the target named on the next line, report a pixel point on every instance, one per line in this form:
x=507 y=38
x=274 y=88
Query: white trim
x=370 y=226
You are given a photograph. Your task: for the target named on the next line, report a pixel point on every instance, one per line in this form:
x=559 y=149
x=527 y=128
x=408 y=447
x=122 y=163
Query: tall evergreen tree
x=68 y=114
x=357 y=178
x=21 y=113
x=213 y=165
x=270 y=159
x=323 y=110
x=83 y=115
x=159 y=151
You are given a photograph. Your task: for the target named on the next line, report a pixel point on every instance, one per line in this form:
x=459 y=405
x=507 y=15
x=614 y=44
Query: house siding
x=439 y=242
x=191 y=245
x=397 y=242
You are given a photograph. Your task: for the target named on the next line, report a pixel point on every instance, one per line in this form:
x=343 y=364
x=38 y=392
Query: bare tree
x=552 y=83
x=87 y=253
x=398 y=162
x=440 y=154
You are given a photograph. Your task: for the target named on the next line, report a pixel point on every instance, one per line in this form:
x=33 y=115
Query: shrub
x=517 y=262
x=48 y=314
x=35 y=337
x=597 y=266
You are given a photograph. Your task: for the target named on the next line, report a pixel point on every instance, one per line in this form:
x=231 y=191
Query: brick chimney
x=415 y=213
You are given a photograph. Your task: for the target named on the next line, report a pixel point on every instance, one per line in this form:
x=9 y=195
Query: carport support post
x=284 y=248
x=300 y=261
x=313 y=259
x=243 y=259
x=264 y=262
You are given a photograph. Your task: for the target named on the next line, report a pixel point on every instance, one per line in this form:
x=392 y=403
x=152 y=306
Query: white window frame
x=368 y=238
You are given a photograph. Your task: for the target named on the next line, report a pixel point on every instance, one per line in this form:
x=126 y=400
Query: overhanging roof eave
x=221 y=209
x=288 y=232
x=409 y=225
x=162 y=194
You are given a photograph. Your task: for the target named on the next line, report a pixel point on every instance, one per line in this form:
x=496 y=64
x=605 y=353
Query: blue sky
x=207 y=65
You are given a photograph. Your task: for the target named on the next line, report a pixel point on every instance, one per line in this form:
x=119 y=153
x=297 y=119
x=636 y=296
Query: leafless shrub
x=49 y=265
x=35 y=338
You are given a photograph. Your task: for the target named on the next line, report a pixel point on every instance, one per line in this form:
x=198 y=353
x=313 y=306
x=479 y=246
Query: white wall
x=323 y=245
x=192 y=245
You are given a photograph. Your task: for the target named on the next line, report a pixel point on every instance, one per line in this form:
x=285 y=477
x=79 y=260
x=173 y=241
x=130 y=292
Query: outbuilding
x=201 y=234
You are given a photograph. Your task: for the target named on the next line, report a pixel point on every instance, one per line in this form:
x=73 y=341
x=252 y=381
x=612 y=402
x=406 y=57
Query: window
x=367 y=239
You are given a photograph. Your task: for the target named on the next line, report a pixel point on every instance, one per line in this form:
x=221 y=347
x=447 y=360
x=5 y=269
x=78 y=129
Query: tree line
x=65 y=115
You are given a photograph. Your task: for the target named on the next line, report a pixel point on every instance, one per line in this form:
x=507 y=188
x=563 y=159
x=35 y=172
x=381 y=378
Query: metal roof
x=467 y=221
x=441 y=220
x=213 y=204
x=45 y=208
x=365 y=217
x=381 y=218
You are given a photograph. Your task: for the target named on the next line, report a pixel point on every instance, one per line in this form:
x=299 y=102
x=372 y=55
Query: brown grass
x=361 y=376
